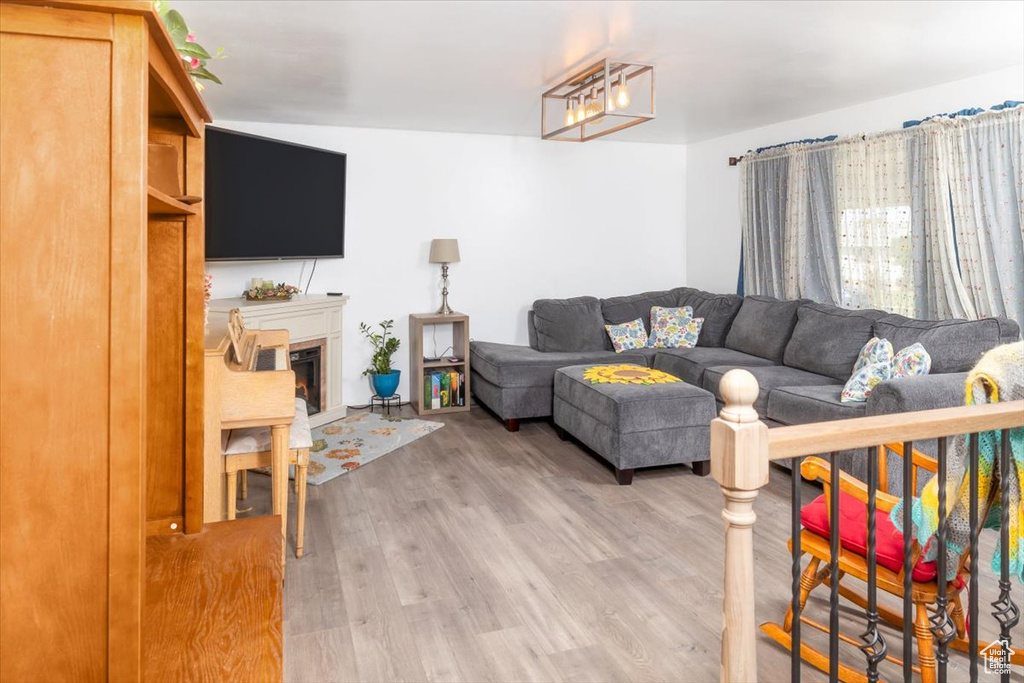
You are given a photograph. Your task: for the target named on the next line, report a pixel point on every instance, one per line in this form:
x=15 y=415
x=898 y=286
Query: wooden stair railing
x=742 y=448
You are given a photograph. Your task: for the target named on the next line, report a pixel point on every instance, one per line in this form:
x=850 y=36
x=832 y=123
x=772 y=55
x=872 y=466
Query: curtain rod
x=939 y=119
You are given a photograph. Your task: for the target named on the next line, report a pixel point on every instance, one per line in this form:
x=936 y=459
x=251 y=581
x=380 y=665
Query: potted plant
x=384 y=377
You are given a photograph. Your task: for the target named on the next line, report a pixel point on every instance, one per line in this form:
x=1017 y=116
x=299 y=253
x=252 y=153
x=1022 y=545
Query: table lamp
x=444 y=251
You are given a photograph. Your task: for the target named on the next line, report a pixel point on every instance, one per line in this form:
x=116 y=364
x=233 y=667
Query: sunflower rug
x=349 y=443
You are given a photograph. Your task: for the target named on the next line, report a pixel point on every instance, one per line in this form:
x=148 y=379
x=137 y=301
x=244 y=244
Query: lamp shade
x=444 y=251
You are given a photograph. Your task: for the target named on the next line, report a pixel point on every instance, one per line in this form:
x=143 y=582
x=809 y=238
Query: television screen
x=267 y=199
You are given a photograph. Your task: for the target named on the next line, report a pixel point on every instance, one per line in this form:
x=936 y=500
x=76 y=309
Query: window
x=875 y=259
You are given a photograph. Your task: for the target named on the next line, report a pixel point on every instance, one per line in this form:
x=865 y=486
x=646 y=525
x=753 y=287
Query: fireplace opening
x=306 y=365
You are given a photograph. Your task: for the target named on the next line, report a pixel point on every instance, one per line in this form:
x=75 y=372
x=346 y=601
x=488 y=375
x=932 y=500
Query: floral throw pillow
x=911 y=361
x=875 y=351
x=692 y=333
x=668 y=327
x=860 y=384
x=628 y=336
x=877 y=363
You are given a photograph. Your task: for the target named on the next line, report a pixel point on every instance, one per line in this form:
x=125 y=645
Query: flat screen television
x=267 y=199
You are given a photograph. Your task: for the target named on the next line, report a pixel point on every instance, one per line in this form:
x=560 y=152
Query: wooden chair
x=249 y=448
x=814 y=541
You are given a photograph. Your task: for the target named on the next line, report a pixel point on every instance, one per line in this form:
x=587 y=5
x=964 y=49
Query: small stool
x=634 y=425
x=249 y=448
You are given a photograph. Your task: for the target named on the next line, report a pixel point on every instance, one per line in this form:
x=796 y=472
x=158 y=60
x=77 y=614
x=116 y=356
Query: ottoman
x=636 y=425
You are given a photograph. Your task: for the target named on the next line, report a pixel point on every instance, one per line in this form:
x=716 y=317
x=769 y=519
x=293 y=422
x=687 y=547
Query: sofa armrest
x=917 y=393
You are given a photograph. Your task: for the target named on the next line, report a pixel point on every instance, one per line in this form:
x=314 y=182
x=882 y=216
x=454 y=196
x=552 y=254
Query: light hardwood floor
x=474 y=554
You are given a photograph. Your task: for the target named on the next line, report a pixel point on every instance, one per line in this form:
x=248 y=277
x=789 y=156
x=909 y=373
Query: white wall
x=712 y=188
x=533 y=218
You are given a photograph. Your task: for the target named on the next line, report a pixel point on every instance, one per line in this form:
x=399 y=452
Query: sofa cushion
x=718 y=311
x=954 y=345
x=689 y=364
x=531 y=329
x=510 y=365
x=763 y=326
x=768 y=378
x=621 y=309
x=827 y=339
x=1009 y=331
x=800 y=405
x=570 y=324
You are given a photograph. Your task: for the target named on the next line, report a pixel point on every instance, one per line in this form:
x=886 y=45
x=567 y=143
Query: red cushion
x=853 y=533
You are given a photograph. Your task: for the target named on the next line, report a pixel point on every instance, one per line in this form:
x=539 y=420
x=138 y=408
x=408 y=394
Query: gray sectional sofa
x=801 y=353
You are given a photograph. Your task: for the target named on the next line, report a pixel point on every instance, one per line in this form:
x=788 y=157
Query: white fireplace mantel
x=306 y=317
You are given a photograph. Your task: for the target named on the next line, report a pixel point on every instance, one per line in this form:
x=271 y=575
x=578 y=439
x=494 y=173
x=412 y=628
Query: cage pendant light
x=603 y=98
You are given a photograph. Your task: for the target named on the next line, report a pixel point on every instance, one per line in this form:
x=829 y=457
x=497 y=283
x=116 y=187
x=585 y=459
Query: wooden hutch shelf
x=163 y=204
x=117 y=269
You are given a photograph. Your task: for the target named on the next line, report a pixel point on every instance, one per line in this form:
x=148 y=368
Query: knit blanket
x=998 y=376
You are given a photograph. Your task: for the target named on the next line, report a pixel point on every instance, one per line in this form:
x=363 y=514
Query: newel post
x=739 y=463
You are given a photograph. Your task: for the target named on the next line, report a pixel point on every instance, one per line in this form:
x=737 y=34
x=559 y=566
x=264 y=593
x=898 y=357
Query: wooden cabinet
x=101 y=309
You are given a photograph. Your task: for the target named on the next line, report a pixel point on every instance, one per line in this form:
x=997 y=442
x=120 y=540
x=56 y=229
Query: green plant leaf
x=201 y=72
x=176 y=26
x=194 y=50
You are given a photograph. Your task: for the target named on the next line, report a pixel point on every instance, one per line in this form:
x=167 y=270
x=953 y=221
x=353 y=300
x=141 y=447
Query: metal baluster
x=874 y=647
x=1006 y=612
x=908 y=568
x=972 y=602
x=941 y=624
x=795 y=530
x=833 y=570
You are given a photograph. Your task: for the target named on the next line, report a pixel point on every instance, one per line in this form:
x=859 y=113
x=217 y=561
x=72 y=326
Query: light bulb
x=581 y=111
x=569 y=118
x=623 y=96
x=610 y=99
x=593 y=109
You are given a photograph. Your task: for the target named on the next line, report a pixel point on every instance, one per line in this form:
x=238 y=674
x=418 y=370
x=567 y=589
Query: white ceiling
x=480 y=67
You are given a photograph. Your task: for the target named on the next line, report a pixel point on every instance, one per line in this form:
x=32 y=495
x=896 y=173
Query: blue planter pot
x=386 y=385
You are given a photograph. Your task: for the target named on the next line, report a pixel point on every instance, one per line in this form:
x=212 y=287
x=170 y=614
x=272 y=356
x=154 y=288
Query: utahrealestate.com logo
x=997 y=656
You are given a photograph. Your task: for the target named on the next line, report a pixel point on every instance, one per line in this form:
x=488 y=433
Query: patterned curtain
x=988 y=208
x=812 y=258
x=763 y=189
x=938 y=285
x=925 y=221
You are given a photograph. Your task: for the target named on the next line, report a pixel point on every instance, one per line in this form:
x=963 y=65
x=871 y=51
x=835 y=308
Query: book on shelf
x=446 y=385
x=444 y=389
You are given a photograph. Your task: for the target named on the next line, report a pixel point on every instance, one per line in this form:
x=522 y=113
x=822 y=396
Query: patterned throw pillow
x=877 y=363
x=875 y=351
x=860 y=384
x=628 y=336
x=911 y=361
x=668 y=327
x=692 y=333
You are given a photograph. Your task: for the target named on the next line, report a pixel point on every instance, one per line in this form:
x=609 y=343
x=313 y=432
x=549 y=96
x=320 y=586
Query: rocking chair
x=814 y=541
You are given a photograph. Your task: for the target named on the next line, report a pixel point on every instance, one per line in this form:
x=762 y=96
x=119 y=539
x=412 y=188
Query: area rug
x=349 y=443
